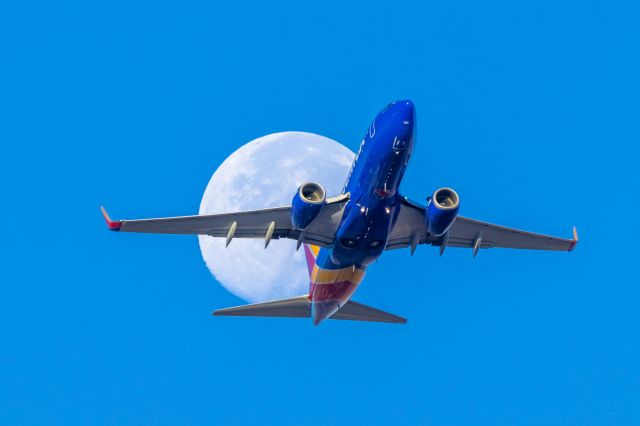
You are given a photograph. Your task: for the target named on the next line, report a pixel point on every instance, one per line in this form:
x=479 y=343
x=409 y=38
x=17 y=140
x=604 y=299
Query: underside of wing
x=410 y=229
x=467 y=232
x=273 y=223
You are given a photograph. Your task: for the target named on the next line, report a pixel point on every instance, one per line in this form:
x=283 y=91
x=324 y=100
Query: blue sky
x=530 y=110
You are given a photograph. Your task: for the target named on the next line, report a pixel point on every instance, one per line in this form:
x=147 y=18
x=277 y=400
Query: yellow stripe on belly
x=330 y=276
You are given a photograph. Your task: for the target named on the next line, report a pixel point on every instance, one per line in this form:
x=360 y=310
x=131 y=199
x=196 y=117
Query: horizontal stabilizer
x=295 y=307
x=358 y=312
x=300 y=307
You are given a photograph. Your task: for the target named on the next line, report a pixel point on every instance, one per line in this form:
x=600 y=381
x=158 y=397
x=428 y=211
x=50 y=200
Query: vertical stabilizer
x=310 y=253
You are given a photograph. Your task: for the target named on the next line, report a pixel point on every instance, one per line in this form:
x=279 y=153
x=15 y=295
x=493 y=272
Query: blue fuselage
x=373 y=184
x=370 y=212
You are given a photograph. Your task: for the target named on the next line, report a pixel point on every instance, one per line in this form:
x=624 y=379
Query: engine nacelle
x=306 y=204
x=442 y=211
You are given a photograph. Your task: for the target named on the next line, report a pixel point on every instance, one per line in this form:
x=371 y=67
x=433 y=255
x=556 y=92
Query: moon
x=264 y=173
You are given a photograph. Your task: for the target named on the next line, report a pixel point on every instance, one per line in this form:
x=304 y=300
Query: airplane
x=342 y=235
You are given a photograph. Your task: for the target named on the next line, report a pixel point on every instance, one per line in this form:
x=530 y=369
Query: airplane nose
x=404 y=109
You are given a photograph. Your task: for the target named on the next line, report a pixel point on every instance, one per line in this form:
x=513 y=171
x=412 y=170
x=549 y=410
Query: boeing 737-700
x=343 y=234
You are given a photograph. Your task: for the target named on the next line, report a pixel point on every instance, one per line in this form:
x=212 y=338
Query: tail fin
x=311 y=252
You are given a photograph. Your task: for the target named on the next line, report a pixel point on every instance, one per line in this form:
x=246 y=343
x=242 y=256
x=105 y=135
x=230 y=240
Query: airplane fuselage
x=370 y=212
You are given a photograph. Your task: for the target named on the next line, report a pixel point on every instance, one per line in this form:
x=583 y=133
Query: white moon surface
x=264 y=173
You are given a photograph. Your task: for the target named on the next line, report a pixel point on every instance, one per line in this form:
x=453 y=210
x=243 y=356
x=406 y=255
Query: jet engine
x=306 y=204
x=442 y=211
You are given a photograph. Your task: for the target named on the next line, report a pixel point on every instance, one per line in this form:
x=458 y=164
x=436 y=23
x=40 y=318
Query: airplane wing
x=265 y=224
x=410 y=229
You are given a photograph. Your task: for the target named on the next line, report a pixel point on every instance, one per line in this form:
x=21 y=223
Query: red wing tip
x=575 y=239
x=113 y=225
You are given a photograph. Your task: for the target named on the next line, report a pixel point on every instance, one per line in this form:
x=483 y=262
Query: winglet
x=113 y=225
x=575 y=239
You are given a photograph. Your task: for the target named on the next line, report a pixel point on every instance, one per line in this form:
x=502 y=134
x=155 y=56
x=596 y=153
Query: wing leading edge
x=410 y=229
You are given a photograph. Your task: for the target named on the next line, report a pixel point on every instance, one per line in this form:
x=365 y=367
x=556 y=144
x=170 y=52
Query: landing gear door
x=399 y=144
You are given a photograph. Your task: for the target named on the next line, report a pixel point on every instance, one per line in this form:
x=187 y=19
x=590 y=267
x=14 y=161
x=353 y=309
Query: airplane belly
x=331 y=288
x=363 y=231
